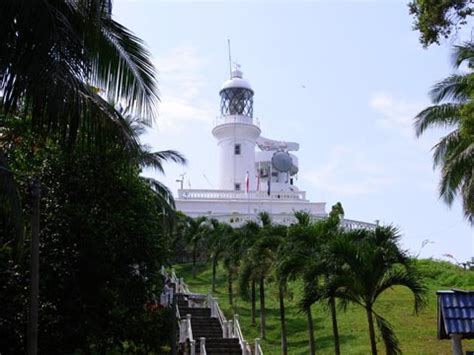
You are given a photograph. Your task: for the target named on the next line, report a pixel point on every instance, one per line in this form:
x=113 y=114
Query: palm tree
x=307 y=256
x=372 y=262
x=259 y=262
x=219 y=236
x=454 y=153
x=231 y=257
x=294 y=258
x=197 y=229
x=59 y=60
x=250 y=232
x=140 y=155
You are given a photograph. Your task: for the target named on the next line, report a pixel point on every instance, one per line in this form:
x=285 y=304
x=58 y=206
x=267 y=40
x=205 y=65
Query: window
x=237 y=186
x=237 y=149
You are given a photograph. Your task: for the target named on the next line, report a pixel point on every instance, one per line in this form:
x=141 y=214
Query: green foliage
x=454 y=153
x=436 y=19
x=416 y=333
x=444 y=274
x=102 y=244
x=80 y=56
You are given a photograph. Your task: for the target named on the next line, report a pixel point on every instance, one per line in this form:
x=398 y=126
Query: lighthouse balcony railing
x=190 y=194
x=237 y=119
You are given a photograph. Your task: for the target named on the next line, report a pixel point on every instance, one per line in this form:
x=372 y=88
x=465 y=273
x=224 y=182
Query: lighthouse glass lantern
x=236 y=96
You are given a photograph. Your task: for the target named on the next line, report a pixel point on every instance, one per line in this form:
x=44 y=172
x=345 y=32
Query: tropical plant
x=436 y=19
x=81 y=55
x=219 y=236
x=102 y=243
x=454 y=153
x=59 y=61
x=307 y=256
x=196 y=231
x=372 y=262
x=259 y=264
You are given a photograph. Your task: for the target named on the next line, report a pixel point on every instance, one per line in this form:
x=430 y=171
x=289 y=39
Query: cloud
x=396 y=115
x=348 y=172
x=181 y=81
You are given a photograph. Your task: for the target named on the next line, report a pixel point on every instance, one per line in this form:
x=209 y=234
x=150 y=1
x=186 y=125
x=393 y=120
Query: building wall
x=233 y=168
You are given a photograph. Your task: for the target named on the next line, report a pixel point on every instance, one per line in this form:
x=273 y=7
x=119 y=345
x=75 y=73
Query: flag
x=247 y=183
x=269 y=181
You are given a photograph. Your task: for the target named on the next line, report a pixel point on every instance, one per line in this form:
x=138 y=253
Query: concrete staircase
x=204 y=326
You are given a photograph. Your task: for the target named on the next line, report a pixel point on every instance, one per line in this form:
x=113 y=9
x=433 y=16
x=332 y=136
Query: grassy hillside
x=417 y=334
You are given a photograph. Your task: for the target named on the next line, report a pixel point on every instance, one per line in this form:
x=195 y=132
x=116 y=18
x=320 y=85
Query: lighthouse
x=255 y=174
x=236 y=133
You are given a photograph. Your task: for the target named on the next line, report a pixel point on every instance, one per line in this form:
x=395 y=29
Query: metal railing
x=258 y=348
x=230 y=328
x=237 y=333
x=195 y=194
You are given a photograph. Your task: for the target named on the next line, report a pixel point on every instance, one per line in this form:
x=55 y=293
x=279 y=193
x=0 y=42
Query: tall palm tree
x=294 y=258
x=259 y=263
x=372 y=263
x=218 y=239
x=250 y=233
x=306 y=256
x=454 y=153
x=59 y=60
x=197 y=229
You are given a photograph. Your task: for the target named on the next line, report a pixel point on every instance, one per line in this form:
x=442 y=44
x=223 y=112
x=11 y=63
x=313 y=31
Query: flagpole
x=247 y=190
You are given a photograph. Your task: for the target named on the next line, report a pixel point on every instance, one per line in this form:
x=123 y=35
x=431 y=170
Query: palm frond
x=463 y=53
x=124 y=69
x=446 y=145
x=303 y=217
x=410 y=279
x=454 y=87
x=392 y=345
x=164 y=195
x=443 y=115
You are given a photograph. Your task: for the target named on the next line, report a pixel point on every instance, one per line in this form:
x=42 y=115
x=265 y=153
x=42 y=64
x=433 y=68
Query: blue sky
x=342 y=78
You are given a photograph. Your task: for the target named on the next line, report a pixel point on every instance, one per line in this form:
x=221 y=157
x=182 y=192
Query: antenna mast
x=230 y=59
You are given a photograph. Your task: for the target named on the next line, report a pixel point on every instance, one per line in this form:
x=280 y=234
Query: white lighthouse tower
x=236 y=133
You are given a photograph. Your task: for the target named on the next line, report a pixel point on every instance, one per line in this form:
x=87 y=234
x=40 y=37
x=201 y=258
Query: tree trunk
x=370 y=320
x=312 y=345
x=252 y=312
x=284 y=347
x=32 y=328
x=229 y=287
x=262 y=308
x=194 y=259
x=335 y=330
x=214 y=265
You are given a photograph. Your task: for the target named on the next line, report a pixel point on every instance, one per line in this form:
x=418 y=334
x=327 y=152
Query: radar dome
x=282 y=161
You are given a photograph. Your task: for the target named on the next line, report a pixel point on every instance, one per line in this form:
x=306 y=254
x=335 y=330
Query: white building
x=255 y=173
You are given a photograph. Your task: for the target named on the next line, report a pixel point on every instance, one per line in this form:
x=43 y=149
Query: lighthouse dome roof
x=236 y=81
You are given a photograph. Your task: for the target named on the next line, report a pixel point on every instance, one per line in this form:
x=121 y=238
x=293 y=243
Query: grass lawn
x=417 y=333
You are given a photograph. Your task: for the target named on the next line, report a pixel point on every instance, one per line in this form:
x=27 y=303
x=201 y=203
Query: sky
x=342 y=78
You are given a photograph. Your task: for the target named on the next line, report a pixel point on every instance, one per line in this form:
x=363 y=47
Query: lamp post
x=32 y=331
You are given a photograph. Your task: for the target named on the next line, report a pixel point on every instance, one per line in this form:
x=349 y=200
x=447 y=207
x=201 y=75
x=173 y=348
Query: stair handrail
x=258 y=348
x=237 y=333
x=230 y=329
x=202 y=346
x=216 y=312
x=188 y=335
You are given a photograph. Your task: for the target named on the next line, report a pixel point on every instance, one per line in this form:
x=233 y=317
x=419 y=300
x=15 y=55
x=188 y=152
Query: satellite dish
x=282 y=161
